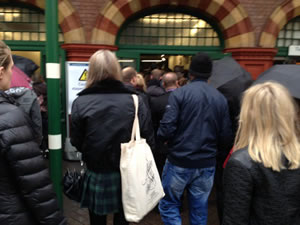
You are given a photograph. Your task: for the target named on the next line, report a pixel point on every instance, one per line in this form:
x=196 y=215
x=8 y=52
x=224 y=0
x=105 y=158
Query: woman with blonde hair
x=262 y=177
x=26 y=191
x=140 y=83
x=102 y=118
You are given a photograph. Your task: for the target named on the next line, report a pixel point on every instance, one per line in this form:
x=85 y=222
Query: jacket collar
x=107 y=86
x=199 y=79
x=153 y=82
x=7 y=98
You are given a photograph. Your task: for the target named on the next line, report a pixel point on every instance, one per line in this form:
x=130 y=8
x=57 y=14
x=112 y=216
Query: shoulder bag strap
x=135 y=134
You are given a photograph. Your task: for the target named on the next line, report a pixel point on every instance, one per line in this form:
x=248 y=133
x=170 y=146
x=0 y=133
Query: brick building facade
x=249 y=27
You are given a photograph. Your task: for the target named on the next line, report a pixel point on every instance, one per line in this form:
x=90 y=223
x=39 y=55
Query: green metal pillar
x=54 y=99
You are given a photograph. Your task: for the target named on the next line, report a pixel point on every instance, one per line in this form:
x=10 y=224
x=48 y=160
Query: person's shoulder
x=242 y=157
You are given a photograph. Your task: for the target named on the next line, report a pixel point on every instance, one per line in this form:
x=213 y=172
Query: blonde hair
x=140 y=82
x=268 y=126
x=5 y=54
x=103 y=65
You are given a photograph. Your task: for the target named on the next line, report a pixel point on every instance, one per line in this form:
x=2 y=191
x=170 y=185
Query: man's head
x=201 y=66
x=129 y=75
x=156 y=74
x=169 y=80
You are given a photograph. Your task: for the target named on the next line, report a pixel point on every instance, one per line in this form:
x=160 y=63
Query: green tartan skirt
x=101 y=192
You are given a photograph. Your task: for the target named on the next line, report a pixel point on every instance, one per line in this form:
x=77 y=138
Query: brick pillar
x=83 y=52
x=254 y=60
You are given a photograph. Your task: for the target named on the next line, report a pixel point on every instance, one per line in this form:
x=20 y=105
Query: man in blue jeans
x=197 y=128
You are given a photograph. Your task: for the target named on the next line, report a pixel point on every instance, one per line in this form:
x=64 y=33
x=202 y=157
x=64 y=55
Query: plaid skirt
x=102 y=192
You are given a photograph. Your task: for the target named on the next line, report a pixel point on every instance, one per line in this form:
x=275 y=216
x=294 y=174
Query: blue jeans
x=197 y=181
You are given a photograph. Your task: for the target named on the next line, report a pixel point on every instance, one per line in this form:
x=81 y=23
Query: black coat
x=255 y=195
x=26 y=191
x=158 y=107
x=102 y=118
x=154 y=88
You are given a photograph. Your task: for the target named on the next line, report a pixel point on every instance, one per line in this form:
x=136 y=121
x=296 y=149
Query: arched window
x=289 y=34
x=23 y=24
x=169 y=29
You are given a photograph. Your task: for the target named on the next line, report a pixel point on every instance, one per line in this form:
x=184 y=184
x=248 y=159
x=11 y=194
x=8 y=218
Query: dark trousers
x=219 y=190
x=119 y=219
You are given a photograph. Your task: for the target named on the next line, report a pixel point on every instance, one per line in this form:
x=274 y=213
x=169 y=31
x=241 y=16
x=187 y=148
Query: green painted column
x=54 y=100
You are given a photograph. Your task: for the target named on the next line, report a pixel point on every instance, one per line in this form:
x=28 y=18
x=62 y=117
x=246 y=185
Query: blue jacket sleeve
x=168 y=124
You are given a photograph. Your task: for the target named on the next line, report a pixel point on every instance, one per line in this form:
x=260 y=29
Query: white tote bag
x=141 y=184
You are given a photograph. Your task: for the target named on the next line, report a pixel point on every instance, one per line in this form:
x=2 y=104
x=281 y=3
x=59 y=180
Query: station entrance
x=166 y=38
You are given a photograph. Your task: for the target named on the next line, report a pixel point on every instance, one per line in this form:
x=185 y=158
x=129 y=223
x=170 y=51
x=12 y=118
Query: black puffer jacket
x=102 y=119
x=255 y=195
x=26 y=192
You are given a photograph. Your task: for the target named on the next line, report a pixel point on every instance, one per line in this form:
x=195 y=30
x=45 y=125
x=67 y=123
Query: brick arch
x=279 y=18
x=232 y=19
x=68 y=20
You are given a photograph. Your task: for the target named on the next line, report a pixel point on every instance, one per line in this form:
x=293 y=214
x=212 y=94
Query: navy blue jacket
x=196 y=125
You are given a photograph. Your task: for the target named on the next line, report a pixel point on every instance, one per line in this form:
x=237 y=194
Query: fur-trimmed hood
x=107 y=86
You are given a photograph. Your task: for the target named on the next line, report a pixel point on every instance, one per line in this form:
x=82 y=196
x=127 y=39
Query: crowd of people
x=190 y=131
x=188 y=126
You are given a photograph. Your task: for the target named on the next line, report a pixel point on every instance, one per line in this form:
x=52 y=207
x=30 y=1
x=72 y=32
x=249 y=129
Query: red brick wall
x=258 y=10
x=88 y=11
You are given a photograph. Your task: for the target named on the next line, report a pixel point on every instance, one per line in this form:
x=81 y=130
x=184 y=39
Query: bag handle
x=135 y=133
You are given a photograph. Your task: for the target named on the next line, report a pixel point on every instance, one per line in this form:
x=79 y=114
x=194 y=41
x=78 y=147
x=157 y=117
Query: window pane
x=216 y=42
x=34 y=36
x=297 y=25
x=280 y=43
x=162 y=41
x=153 y=32
x=43 y=37
x=169 y=29
x=178 y=33
x=185 y=41
x=201 y=42
x=289 y=34
x=162 y=32
x=17 y=36
x=209 y=41
x=281 y=34
x=289 y=26
x=193 y=41
x=34 y=17
x=177 y=41
x=288 y=42
x=296 y=34
x=23 y=24
x=170 y=41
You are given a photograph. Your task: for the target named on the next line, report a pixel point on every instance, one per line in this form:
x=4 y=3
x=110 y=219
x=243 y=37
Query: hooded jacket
x=102 y=118
x=26 y=191
x=28 y=102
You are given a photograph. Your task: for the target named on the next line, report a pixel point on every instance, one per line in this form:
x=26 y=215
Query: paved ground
x=77 y=216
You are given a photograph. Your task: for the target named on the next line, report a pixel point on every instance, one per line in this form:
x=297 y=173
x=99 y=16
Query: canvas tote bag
x=141 y=184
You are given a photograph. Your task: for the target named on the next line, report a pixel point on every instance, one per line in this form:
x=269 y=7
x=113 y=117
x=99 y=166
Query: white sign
x=76 y=74
x=294 y=50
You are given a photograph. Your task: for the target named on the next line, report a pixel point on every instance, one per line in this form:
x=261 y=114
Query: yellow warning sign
x=83 y=76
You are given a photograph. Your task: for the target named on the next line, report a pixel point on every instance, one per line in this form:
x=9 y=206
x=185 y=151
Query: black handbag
x=72 y=184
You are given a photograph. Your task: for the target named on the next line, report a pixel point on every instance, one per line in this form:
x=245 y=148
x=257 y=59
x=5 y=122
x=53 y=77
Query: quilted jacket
x=255 y=195
x=26 y=191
